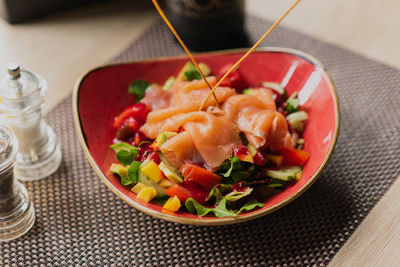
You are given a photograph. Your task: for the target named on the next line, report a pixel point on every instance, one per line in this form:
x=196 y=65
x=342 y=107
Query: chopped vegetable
x=138 y=88
x=144 y=179
x=275 y=86
x=169 y=83
x=146 y=194
x=297 y=119
x=119 y=169
x=177 y=190
x=202 y=176
x=189 y=72
x=152 y=170
x=166 y=183
x=292 y=156
x=252 y=149
x=285 y=173
x=191 y=75
x=136 y=189
x=173 y=204
x=170 y=173
x=292 y=104
x=276 y=159
x=135 y=115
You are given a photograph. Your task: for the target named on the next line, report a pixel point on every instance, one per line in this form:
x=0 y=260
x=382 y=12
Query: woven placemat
x=81 y=223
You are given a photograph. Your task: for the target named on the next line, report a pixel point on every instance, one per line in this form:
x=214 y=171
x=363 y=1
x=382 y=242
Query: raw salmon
x=256 y=116
x=210 y=136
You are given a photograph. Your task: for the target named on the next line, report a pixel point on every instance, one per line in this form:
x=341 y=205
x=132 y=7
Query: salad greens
x=250 y=173
x=192 y=75
x=292 y=103
x=138 y=88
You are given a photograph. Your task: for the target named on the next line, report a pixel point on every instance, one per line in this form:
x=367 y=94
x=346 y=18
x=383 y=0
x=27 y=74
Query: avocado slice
x=170 y=171
x=189 y=67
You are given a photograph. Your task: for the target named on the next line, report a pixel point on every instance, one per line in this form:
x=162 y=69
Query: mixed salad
x=161 y=159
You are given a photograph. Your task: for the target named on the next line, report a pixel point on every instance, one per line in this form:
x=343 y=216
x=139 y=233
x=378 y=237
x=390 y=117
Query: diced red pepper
x=199 y=193
x=292 y=156
x=177 y=190
x=200 y=175
x=138 y=112
x=260 y=158
x=234 y=78
x=155 y=157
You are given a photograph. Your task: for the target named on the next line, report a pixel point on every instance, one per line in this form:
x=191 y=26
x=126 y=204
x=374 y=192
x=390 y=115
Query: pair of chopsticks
x=212 y=89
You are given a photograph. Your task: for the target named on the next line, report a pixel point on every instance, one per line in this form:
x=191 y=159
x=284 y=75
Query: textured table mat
x=81 y=223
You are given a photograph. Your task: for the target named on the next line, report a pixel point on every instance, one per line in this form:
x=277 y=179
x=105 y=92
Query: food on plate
x=223 y=160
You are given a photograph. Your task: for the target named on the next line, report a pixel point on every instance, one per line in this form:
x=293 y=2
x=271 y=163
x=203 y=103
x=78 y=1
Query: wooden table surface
x=63 y=45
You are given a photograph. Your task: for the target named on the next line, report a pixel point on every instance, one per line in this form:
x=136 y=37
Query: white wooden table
x=62 y=46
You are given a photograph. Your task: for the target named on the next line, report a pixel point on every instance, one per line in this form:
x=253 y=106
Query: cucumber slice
x=275 y=86
x=144 y=179
x=168 y=83
x=296 y=120
x=285 y=173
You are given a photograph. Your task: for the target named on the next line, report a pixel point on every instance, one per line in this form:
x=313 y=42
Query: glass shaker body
x=17 y=214
x=22 y=93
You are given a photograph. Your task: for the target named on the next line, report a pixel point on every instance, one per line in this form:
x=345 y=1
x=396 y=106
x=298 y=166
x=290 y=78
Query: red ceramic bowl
x=101 y=94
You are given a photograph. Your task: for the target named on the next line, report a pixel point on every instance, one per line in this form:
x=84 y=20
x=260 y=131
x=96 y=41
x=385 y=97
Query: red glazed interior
x=103 y=94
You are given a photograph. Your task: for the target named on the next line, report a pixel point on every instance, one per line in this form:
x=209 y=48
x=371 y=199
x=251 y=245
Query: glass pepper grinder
x=22 y=94
x=17 y=214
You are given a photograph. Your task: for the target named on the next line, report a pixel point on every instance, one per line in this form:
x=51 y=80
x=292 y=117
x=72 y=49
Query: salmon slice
x=187 y=97
x=179 y=149
x=256 y=116
x=280 y=136
x=211 y=137
x=191 y=94
x=157 y=98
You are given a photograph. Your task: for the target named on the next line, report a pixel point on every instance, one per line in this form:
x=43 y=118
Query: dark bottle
x=206 y=25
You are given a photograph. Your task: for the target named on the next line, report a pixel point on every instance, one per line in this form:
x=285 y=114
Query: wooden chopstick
x=186 y=50
x=250 y=51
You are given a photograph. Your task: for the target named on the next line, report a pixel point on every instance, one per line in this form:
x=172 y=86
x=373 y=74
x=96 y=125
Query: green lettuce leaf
x=126 y=153
x=220 y=210
x=215 y=192
x=138 y=88
x=252 y=204
x=122 y=146
x=226 y=171
x=133 y=174
x=236 y=195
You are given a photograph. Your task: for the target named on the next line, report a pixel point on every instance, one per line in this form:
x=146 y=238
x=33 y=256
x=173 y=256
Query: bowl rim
x=200 y=221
